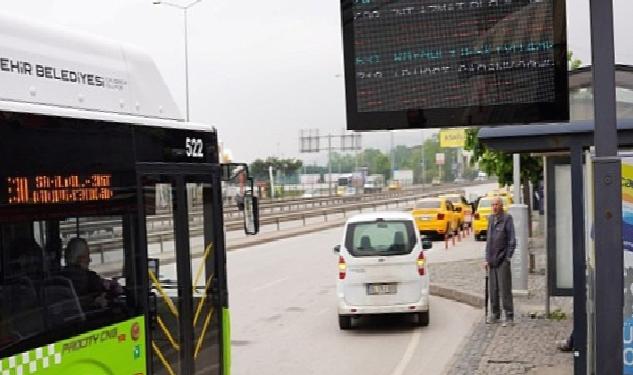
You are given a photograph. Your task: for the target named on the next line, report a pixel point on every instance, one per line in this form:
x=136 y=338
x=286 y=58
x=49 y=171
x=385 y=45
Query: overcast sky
x=261 y=70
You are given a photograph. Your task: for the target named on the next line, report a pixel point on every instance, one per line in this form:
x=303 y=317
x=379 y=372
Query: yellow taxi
x=435 y=216
x=463 y=209
x=502 y=193
x=480 y=218
x=394 y=185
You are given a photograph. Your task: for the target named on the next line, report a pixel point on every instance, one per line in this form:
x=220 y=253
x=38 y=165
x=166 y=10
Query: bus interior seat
x=62 y=304
x=24 y=313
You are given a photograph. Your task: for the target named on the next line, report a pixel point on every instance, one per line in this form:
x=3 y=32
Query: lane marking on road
x=268 y=285
x=408 y=354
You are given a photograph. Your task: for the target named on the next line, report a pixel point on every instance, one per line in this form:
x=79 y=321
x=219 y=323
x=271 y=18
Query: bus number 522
x=193 y=147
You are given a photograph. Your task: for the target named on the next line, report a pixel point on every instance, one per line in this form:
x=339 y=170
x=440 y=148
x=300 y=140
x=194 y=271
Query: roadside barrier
x=105 y=235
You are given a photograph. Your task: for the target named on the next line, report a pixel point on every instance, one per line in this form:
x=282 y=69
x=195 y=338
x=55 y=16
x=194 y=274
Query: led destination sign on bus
x=59 y=189
x=447 y=60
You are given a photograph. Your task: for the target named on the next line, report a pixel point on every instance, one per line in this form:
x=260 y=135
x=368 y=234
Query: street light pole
x=184 y=9
x=186 y=66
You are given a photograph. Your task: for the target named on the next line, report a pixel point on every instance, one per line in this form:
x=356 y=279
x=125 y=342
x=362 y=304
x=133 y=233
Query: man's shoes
x=563 y=346
x=492 y=320
x=507 y=322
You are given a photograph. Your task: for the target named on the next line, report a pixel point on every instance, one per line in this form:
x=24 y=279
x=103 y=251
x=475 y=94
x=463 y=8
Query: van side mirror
x=426 y=243
x=251 y=213
x=337 y=249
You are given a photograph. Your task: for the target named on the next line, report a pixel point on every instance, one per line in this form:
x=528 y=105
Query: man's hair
x=75 y=248
x=498 y=199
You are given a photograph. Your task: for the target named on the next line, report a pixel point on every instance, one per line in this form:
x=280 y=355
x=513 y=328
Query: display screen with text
x=424 y=64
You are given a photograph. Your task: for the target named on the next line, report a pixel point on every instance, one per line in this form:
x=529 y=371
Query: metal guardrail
x=160 y=227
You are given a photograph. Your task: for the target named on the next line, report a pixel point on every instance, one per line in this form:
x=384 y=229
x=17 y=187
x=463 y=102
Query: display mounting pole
x=607 y=196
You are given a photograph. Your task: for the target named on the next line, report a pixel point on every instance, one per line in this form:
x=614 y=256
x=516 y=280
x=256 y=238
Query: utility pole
x=329 y=165
x=423 y=161
x=393 y=159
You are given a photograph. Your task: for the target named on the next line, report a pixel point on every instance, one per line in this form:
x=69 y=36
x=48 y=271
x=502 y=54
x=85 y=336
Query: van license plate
x=382 y=289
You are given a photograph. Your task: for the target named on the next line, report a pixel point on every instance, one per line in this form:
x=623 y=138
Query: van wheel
x=423 y=318
x=344 y=322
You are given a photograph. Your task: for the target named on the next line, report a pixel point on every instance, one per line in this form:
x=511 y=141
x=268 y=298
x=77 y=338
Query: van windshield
x=485 y=203
x=374 y=238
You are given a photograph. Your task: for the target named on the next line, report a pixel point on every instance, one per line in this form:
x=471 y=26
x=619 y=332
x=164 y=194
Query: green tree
x=376 y=161
x=259 y=168
x=572 y=63
x=500 y=164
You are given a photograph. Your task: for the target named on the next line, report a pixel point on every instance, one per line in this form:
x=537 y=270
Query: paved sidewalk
x=526 y=348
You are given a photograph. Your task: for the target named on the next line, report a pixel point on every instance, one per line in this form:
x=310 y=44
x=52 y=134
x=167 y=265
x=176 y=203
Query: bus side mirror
x=251 y=214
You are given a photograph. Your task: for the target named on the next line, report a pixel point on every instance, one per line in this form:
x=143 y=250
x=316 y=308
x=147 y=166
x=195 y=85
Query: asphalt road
x=284 y=320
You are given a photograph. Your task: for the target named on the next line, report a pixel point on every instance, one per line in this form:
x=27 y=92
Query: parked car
x=463 y=209
x=435 y=216
x=382 y=268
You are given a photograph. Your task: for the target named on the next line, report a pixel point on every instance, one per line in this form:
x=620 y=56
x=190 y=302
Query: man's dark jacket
x=500 y=239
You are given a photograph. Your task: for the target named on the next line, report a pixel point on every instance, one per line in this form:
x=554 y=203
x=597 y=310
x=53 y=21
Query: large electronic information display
x=437 y=63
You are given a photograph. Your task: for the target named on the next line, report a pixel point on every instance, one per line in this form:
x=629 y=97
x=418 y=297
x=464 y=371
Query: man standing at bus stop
x=500 y=245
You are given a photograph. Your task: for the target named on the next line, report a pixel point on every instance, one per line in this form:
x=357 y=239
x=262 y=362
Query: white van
x=382 y=268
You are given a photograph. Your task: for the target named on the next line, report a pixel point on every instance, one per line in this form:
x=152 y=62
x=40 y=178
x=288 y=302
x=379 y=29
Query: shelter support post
x=608 y=195
x=578 y=251
x=519 y=263
x=516 y=176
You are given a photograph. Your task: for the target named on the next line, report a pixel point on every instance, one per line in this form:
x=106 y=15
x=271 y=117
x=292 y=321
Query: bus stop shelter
x=570 y=140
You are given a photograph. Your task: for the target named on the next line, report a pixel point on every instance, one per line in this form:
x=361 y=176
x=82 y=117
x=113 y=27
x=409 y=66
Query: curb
x=457 y=295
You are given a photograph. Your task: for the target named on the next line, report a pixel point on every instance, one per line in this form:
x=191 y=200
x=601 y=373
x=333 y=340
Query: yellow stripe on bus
x=204 y=331
x=168 y=300
x=201 y=303
x=202 y=264
x=167 y=333
x=162 y=359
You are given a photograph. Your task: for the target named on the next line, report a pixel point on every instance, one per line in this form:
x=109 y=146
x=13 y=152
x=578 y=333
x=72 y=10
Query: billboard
x=429 y=64
x=452 y=138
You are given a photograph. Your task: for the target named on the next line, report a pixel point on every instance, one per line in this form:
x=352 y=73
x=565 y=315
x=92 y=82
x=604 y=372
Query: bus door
x=181 y=214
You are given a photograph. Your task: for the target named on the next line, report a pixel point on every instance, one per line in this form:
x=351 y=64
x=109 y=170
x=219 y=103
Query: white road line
x=268 y=285
x=408 y=354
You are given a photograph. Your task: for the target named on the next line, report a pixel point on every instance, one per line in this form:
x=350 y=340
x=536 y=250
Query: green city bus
x=98 y=156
